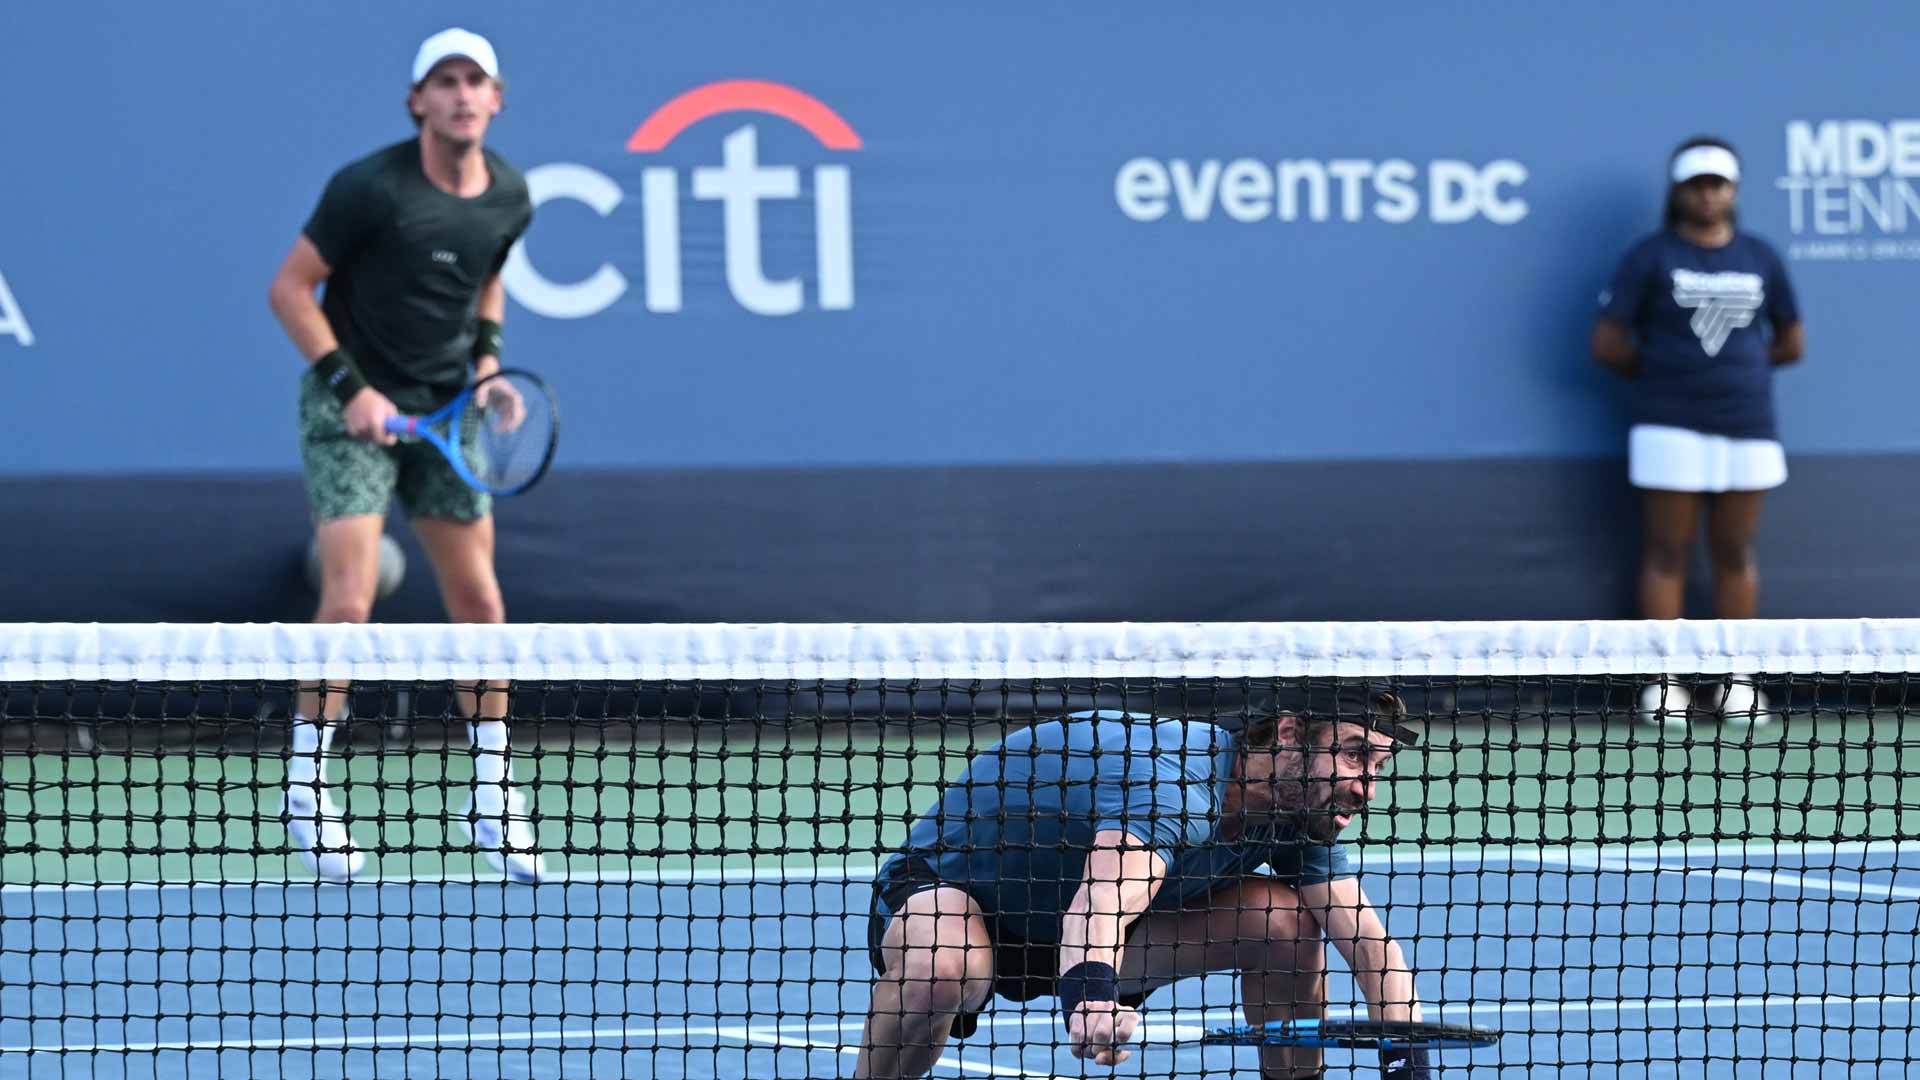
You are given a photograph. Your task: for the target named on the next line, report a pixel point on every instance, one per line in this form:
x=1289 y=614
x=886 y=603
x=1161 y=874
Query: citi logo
x=739 y=184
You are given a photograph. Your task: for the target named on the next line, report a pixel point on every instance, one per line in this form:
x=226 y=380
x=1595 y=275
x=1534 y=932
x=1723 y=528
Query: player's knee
x=345 y=605
x=1665 y=556
x=1276 y=922
x=1283 y=937
x=476 y=604
x=1731 y=556
x=490 y=611
x=945 y=980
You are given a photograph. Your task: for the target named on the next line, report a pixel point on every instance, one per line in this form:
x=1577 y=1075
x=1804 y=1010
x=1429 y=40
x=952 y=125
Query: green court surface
x=659 y=799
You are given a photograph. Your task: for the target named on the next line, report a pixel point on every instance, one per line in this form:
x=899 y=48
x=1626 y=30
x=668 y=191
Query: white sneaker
x=320 y=835
x=507 y=840
x=1664 y=704
x=1745 y=705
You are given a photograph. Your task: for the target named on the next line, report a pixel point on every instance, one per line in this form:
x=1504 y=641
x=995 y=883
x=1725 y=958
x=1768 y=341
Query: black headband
x=1371 y=707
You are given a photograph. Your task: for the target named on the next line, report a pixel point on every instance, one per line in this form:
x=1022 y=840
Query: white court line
x=393 y=1040
x=1654 y=855
x=645 y=1036
x=739 y=876
x=1665 y=1005
x=1453 y=857
x=950 y=1061
x=1780 y=879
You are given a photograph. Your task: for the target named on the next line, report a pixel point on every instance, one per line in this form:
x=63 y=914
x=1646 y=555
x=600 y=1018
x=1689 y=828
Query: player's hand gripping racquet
x=1403 y=1045
x=498 y=434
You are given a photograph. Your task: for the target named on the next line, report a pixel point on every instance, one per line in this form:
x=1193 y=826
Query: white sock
x=306 y=765
x=491 y=772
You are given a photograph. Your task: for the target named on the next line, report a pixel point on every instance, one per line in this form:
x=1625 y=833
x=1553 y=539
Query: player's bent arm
x=292 y=300
x=1789 y=343
x=1613 y=347
x=1121 y=878
x=1378 y=963
x=290 y=296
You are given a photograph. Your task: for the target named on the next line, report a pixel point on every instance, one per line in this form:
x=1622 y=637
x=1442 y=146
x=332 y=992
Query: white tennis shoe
x=506 y=839
x=1664 y=704
x=320 y=835
x=1745 y=705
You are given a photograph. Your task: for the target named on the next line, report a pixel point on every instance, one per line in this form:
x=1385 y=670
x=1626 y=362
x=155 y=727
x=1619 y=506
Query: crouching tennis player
x=1098 y=857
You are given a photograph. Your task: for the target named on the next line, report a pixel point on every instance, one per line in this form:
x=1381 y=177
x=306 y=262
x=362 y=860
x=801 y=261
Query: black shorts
x=1022 y=970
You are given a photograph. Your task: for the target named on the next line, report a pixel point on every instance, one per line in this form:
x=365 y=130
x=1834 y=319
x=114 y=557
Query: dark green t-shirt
x=408 y=263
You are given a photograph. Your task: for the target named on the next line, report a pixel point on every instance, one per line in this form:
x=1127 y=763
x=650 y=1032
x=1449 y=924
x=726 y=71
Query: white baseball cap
x=1705 y=161
x=455 y=42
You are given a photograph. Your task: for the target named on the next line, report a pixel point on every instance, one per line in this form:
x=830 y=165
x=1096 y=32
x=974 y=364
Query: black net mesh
x=705 y=879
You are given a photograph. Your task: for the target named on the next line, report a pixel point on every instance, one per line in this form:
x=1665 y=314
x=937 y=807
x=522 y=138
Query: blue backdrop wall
x=882 y=311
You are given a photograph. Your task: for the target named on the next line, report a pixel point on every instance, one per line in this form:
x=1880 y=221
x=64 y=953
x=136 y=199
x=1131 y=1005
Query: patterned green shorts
x=347 y=476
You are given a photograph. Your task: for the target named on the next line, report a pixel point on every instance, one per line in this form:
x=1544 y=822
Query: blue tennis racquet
x=498 y=434
x=1355 y=1034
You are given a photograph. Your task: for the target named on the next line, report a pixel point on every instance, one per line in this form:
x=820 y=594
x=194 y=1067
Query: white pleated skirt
x=1678 y=459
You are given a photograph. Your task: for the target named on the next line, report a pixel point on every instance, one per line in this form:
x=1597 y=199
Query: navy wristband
x=1087 y=981
x=339 y=375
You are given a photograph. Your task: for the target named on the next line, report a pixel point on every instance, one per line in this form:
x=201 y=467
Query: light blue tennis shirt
x=1014 y=830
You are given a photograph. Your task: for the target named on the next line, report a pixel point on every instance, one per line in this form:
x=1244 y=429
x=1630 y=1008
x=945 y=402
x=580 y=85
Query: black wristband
x=1405 y=1064
x=486 y=339
x=1087 y=981
x=339 y=375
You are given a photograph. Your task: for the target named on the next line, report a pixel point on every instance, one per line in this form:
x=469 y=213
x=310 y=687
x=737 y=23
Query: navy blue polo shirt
x=1703 y=319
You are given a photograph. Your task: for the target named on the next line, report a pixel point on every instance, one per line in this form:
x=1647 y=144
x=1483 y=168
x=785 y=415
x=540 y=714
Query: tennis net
x=1636 y=849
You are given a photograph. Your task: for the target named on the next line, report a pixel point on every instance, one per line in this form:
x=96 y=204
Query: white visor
x=1705 y=161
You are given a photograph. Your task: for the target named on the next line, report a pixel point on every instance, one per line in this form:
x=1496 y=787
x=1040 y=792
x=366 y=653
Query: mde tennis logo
x=1850 y=189
x=741 y=186
x=13 y=321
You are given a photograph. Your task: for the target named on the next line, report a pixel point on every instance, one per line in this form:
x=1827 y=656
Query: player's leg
x=1733 y=518
x=1669 y=466
x=349 y=549
x=349 y=484
x=1669 y=523
x=455 y=527
x=461 y=552
x=938 y=957
x=1257 y=927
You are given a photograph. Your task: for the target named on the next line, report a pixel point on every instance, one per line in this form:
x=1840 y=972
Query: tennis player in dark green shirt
x=1096 y=857
x=408 y=242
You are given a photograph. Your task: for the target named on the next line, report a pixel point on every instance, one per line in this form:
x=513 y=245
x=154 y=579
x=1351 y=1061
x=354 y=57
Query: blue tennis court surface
x=1796 y=961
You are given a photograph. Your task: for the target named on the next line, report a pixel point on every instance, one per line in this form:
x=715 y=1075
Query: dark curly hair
x=1325 y=703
